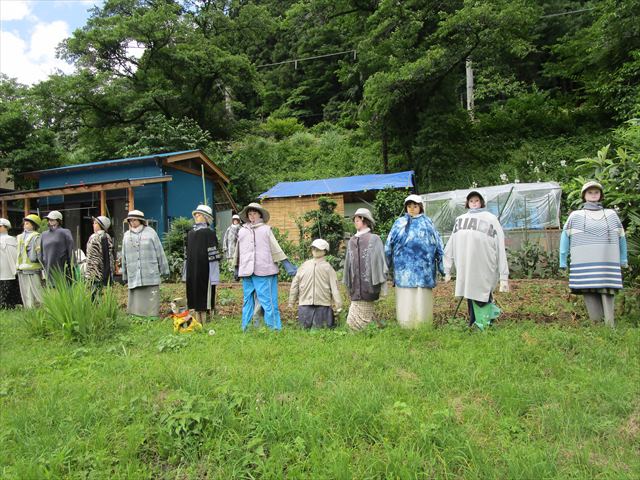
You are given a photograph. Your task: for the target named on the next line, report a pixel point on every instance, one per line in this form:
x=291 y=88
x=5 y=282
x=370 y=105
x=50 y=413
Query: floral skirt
x=361 y=313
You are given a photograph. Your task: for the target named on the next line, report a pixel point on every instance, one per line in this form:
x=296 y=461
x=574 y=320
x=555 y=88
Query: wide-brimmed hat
x=34 y=219
x=483 y=201
x=103 y=221
x=136 y=215
x=592 y=184
x=54 y=215
x=320 y=244
x=364 y=213
x=235 y=217
x=5 y=223
x=255 y=206
x=206 y=211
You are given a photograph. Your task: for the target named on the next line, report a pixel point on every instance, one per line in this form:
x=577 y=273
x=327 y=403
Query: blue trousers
x=266 y=288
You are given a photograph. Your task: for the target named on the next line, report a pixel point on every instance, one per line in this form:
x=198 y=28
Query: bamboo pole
x=27 y=206
x=131 y=199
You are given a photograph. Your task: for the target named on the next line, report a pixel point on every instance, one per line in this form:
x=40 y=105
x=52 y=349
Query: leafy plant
x=172 y=343
x=73 y=309
x=174 y=245
x=322 y=223
x=387 y=207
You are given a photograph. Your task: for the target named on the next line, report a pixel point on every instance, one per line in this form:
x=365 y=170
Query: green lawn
x=525 y=400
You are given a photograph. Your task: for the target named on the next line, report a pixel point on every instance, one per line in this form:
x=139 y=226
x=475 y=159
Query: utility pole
x=470 y=105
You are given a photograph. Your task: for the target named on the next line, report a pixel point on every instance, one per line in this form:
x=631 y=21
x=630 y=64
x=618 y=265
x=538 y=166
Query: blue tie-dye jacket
x=415 y=251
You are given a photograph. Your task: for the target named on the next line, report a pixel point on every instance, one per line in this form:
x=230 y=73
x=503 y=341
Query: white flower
x=563 y=163
x=474 y=184
x=516 y=181
x=504 y=178
x=536 y=169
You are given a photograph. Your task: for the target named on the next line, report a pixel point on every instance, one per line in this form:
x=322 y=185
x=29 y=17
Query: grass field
x=544 y=394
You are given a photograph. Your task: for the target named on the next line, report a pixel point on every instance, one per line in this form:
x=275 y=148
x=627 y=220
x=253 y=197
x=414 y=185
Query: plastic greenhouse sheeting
x=519 y=206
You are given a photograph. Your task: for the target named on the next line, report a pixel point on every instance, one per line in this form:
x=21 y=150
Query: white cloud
x=33 y=61
x=14 y=10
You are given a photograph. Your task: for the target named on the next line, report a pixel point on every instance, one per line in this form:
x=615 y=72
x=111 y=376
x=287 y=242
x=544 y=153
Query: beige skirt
x=414 y=306
x=361 y=313
x=144 y=301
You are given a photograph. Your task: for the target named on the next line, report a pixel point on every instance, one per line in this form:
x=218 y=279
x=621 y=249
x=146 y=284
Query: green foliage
x=172 y=343
x=531 y=260
x=70 y=310
x=387 y=207
x=175 y=244
x=93 y=411
x=322 y=223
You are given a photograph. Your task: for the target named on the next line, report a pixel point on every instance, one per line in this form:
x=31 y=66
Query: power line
x=567 y=13
x=296 y=60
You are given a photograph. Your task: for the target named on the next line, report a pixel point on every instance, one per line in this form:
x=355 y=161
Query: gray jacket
x=143 y=259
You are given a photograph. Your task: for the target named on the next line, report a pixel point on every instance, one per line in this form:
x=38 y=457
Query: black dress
x=202 y=248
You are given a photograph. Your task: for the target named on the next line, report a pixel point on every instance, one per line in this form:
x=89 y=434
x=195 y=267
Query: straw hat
x=255 y=206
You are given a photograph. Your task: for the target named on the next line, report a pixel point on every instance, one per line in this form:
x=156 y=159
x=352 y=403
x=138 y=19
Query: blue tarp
x=359 y=183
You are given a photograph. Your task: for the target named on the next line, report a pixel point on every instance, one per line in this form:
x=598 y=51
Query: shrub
x=387 y=207
x=322 y=223
x=72 y=310
x=174 y=245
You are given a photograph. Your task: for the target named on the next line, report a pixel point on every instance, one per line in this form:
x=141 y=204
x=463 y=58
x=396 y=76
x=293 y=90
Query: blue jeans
x=266 y=288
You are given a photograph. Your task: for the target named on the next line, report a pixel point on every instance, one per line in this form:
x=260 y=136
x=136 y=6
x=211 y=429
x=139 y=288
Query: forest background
x=555 y=82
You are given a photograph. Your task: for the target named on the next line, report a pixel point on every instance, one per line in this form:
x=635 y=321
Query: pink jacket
x=257 y=251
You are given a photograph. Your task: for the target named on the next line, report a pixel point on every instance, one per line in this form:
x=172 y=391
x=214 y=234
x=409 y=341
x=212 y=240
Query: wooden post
x=27 y=206
x=103 y=203
x=131 y=201
x=4 y=209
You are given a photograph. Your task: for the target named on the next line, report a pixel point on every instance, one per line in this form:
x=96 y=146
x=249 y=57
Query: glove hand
x=290 y=268
x=504 y=285
x=447 y=278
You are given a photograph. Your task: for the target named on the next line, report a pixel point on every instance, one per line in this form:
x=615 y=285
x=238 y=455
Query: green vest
x=23 y=258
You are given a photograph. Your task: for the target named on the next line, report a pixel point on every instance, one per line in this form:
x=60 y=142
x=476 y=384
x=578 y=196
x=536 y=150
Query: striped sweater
x=597 y=246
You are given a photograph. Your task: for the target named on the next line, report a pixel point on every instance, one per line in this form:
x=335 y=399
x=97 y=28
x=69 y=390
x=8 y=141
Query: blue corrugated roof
x=359 y=183
x=105 y=163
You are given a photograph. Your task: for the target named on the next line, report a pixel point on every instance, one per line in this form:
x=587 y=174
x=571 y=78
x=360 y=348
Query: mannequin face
x=28 y=226
x=134 y=223
x=592 y=194
x=235 y=221
x=3 y=229
x=317 y=253
x=253 y=216
x=358 y=221
x=199 y=218
x=53 y=223
x=475 y=202
x=413 y=209
x=96 y=226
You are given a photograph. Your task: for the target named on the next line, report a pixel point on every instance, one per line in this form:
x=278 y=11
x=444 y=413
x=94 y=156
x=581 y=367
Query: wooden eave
x=84 y=188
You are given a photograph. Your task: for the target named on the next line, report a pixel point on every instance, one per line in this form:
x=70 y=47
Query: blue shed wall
x=150 y=200
x=184 y=193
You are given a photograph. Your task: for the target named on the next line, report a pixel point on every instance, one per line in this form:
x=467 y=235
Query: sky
x=30 y=31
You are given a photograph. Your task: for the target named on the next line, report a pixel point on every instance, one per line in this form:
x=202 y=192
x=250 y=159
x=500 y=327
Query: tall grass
x=73 y=310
